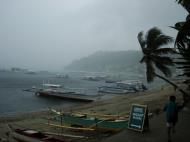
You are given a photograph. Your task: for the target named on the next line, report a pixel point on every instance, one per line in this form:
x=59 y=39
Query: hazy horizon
x=49 y=34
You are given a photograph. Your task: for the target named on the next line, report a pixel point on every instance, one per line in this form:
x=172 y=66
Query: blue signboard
x=137 y=117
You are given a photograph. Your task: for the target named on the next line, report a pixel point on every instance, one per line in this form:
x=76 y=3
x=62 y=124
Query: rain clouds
x=49 y=34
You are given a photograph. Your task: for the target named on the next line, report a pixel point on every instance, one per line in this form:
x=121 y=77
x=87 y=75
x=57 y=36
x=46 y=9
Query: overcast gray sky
x=48 y=34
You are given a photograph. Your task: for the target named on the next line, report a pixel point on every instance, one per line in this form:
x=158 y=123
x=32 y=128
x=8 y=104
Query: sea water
x=14 y=100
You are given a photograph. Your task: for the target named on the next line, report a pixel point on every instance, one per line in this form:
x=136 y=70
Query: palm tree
x=182 y=43
x=153 y=55
x=185 y=4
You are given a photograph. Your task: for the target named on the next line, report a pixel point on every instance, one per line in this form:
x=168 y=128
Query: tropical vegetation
x=182 y=43
x=156 y=56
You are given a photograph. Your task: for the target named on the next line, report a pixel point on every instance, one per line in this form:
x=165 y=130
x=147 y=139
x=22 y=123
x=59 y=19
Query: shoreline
x=104 y=102
x=116 y=105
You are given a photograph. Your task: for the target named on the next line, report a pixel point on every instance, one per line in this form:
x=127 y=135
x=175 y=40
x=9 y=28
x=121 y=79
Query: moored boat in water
x=66 y=95
x=123 y=87
x=112 y=90
x=57 y=91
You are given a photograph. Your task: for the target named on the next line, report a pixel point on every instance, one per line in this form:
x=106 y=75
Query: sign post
x=138 y=117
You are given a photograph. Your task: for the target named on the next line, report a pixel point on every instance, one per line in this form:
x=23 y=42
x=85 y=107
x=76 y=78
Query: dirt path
x=158 y=132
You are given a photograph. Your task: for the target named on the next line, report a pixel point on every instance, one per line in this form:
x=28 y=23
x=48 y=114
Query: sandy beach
x=116 y=105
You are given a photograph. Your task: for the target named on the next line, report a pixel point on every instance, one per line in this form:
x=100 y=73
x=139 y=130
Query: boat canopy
x=52 y=85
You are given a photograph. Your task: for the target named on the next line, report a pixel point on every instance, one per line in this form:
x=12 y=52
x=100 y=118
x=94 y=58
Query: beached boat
x=30 y=135
x=106 y=124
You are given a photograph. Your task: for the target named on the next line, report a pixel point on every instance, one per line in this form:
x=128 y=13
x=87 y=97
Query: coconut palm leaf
x=185 y=4
x=150 y=71
x=184 y=33
x=162 y=40
x=161 y=51
x=182 y=62
x=143 y=60
x=163 y=60
x=141 y=40
x=163 y=68
x=151 y=36
x=184 y=67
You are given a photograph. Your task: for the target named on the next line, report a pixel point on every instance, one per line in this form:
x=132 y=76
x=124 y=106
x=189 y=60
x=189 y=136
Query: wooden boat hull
x=113 y=126
x=29 y=135
x=67 y=96
x=103 y=124
x=100 y=124
x=23 y=138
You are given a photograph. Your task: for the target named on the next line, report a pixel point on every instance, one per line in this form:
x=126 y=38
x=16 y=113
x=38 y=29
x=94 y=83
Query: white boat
x=58 y=91
x=52 y=85
x=112 y=90
x=62 y=76
x=135 y=85
x=123 y=87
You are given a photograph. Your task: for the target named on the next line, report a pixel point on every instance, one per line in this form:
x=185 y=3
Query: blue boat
x=108 y=124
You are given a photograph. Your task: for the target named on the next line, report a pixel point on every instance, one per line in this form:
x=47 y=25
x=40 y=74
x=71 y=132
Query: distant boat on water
x=30 y=72
x=52 y=85
x=135 y=85
x=123 y=87
x=95 y=78
x=112 y=90
x=62 y=76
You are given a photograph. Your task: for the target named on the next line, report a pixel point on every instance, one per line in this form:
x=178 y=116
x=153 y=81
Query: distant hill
x=109 y=61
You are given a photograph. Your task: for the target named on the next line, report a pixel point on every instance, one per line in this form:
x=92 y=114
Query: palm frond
x=187 y=70
x=184 y=67
x=163 y=60
x=185 y=4
x=143 y=60
x=141 y=40
x=150 y=72
x=162 y=40
x=164 y=69
x=183 y=33
x=178 y=25
x=185 y=74
x=161 y=51
x=182 y=62
x=151 y=36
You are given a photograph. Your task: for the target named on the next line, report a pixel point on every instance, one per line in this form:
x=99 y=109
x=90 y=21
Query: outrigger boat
x=30 y=135
x=123 y=87
x=85 y=122
x=57 y=91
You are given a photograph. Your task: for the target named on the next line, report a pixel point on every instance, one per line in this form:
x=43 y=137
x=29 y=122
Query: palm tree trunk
x=185 y=94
